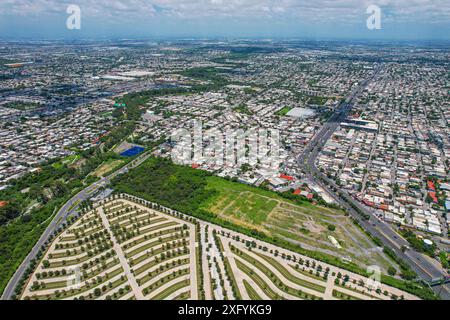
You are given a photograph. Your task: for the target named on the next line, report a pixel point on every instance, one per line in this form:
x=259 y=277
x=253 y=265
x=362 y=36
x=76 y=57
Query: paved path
x=239 y=277
x=123 y=261
x=206 y=275
x=177 y=293
x=221 y=265
x=166 y=276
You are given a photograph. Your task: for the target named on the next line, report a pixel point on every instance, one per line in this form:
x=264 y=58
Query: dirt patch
x=313 y=227
x=107 y=167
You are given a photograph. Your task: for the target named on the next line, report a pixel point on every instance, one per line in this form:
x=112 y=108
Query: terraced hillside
x=128 y=248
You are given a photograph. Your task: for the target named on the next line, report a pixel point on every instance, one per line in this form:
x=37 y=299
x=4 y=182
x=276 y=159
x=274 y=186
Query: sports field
x=134 y=151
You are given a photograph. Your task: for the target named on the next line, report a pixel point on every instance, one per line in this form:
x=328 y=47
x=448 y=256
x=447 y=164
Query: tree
x=391 y=271
x=97 y=292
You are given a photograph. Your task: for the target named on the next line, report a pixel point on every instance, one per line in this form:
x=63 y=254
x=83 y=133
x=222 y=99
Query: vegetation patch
x=283 y=111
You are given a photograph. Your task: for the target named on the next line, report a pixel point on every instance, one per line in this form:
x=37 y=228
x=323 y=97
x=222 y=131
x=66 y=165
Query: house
x=277 y=182
x=286 y=177
x=433 y=196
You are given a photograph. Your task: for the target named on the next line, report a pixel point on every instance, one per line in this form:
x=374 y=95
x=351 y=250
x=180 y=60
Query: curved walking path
x=221 y=265
x=177 y=293
x=164 y=274
x=192 y=241
x=255 y=287
x=239 y=277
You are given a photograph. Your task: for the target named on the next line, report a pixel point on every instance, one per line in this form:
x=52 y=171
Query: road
x=421 y=264
x=67 y=210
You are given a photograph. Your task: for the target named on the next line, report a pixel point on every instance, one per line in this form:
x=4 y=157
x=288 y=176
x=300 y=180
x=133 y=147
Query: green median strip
x=126 y=220
x=229 y=272
x=150 y=275
x=150 y=245
x=154 y=263
x=343 y=296
x=307 y=274
x=74 y=292
x=144 y=257
x=173 y=288
x=290 y=276
x=234 y=286
x=199 y=271
x=258 y=280
x=251 y=292
x=164 y=225
x=183 y=296
x=77 y=261
x=358 y=291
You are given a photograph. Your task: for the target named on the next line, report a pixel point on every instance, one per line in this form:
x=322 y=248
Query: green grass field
x=241 y=201
x=283 y=111
x=66 y=161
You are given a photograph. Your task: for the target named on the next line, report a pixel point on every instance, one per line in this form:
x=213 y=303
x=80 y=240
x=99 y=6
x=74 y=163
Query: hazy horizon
x=322 y=19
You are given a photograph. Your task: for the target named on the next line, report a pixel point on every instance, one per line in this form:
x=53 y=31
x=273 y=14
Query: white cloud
x=306 y=10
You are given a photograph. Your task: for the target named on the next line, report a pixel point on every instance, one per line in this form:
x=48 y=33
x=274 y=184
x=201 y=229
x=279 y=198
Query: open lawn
x=66 y=161
x=283 y=111
x=239 y=201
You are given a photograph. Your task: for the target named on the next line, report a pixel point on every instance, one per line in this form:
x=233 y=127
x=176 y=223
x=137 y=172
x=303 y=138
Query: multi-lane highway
x=421 y=264
x=68 y=209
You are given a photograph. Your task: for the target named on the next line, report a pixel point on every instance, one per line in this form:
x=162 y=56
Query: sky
x=115 y=19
